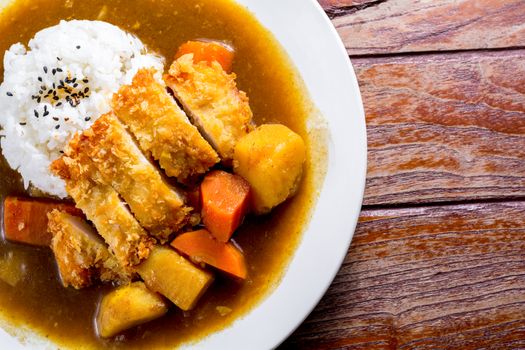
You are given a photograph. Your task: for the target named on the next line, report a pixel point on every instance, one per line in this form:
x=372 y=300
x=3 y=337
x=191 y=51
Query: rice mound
x=85 y=60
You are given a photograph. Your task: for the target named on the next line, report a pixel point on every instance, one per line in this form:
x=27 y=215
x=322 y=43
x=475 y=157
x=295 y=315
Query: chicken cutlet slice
x=211 y=98
x=161 y=127
x=101 y=204
x=158 y=207
x=81 y=255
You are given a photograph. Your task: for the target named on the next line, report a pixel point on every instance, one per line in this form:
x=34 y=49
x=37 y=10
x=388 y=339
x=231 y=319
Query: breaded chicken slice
x=161 y=127
x=101 y=204
x=211 y=98
x=158 y=206
x=81 y=255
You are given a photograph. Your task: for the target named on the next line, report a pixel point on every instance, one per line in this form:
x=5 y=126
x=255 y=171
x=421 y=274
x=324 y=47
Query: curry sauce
x=33 y=294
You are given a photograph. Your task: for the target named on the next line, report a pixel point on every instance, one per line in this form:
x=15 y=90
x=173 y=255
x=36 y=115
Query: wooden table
x=438 y=258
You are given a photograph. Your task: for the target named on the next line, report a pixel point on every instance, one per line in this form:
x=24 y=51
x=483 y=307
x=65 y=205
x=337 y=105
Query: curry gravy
x=276 y=95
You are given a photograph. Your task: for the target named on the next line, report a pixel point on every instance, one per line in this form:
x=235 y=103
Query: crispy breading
x=161 y=127
x=211 y=98
x=158 y=207
x=81 y=255
x=101 y=204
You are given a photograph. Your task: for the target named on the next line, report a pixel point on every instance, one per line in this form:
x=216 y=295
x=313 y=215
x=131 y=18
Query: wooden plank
x=427 y=278
x=342 y=4
x=335 y=8
x=444 y=127
x=391 y=26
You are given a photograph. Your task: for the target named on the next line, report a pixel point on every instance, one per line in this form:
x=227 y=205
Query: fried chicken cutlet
x=81 y=255
x=158 y=206
x=101 y=204
x=161 y=127
x=212 y=100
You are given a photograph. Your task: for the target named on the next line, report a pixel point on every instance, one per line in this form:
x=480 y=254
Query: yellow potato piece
x=271 y=159
x=171 y=275
x=128 y=306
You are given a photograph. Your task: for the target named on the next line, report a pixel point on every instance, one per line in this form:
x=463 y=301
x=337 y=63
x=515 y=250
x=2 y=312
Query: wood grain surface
x=444 y=127
x=427 y=278
x=393 y=26
x=335 y=8
x=446 y=124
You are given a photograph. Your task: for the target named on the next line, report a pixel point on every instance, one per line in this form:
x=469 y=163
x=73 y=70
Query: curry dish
x=266 y=92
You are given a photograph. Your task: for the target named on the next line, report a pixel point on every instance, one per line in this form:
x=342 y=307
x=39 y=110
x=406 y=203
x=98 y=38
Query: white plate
x=314 y=46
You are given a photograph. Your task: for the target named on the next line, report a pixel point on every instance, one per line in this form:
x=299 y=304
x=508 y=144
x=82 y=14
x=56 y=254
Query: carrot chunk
x=201 y=246
x=208 y=51
x=25 y=219
x=225 y=201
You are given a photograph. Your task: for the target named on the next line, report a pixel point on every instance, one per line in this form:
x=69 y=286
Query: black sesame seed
x=36 y=113
x=59 y=70
x=85 y=81
x=55 y=119
x=10 y=94
x=62 y=82
x=61 y=152
x=78 y=47
x=75 y=85
x=54 y=86
x=46 y=113
x=59 y=59
x=45 y=69
x=23 y=123
x=38 y=99
x=87 y=119
x=66 y=119
x=50 y=91
x=57 y=127
x=54 y=71
x=41 y=92
x=59 y=104
x=40 y=79
x=86 y=90
x=55 y=98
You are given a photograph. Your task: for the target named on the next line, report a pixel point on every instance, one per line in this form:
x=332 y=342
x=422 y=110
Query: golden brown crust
x=161 y=127
x=101 y=204
x=157 y=206
x=213 y=101
x=81 y=255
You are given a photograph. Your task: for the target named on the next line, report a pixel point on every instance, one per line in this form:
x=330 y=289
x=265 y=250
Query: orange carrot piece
x=225 y=201
x=201 y=246
x=208 y=51
x=25 y=219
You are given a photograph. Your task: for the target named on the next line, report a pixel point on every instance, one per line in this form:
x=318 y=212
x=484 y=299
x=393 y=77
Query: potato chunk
x=271 y=159
x=128 y=306
x=171 y=275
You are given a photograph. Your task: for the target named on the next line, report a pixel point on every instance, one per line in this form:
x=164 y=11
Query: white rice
x=97 y=51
